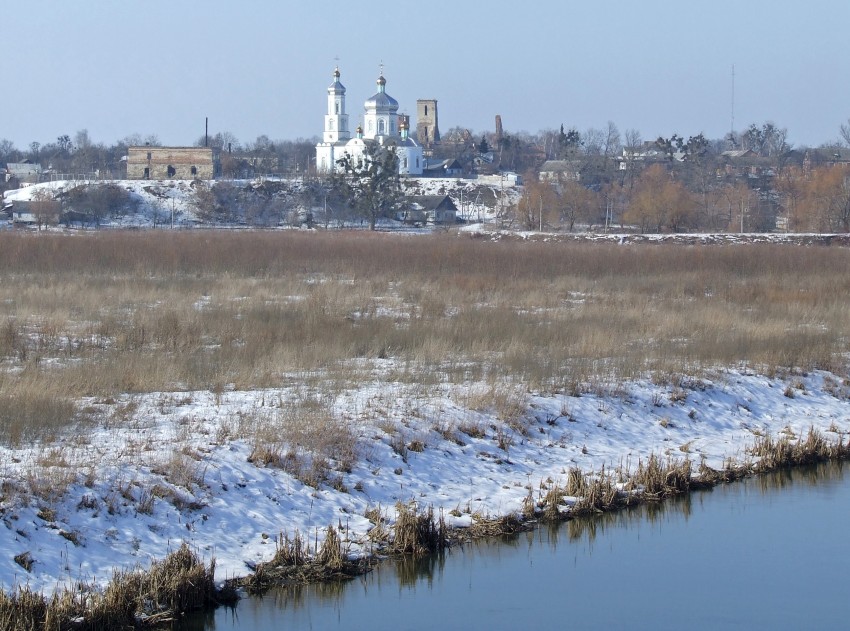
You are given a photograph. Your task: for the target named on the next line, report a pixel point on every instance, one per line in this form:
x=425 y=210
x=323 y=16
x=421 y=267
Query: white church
x=381 y=124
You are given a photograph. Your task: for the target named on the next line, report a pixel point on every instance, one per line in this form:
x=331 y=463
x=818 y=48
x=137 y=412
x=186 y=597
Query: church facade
x=382 y=125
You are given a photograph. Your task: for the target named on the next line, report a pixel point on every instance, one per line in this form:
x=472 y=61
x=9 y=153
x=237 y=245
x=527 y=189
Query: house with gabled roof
x=429 y=209
x=442 y=168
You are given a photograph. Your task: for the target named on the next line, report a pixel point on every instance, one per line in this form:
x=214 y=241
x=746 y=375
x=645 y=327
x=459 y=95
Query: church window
x=336 y=107
x=426 y=110
x=371 y=126
x=331 y=124
x=381 y=126
x=404 y=162
x=417 y=163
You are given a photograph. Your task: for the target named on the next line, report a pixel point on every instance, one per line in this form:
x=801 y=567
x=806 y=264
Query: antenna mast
x=732 y=129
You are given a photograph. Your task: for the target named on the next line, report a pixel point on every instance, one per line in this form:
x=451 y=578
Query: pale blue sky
x=262 y=67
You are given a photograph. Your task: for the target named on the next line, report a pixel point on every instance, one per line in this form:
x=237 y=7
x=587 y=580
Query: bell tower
x=427 y=128
x=336 y=120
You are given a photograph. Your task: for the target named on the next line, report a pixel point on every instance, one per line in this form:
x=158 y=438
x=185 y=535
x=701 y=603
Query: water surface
x=766 y=553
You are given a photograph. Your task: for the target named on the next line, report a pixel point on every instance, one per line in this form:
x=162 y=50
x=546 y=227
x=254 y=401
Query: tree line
x=672 y=183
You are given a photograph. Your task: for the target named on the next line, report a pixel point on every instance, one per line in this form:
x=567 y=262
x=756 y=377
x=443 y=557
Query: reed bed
x=416 y=533
x=133 y=599
x=103 y=314
x=294 y=562
x=657 y=479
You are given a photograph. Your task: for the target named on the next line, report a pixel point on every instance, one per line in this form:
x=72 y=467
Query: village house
x=25 y=172
x=442 y=168
x=438 y=210
x=560 y=170
x=45 y=212
x=647 y=153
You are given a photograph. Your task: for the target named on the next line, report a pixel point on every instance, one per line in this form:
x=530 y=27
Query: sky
x=262 y=67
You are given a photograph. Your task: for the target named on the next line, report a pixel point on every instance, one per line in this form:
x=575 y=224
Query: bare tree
x=44 y=208
x=845 y=132
x=592 y=141
x=611 y=145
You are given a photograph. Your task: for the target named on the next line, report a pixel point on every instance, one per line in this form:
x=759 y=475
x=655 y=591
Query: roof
x=336 y=87
x=558 y=166
x=432 y=202
x=738 y=153
x=397 y=141
x=381 y=100
x=449 y=164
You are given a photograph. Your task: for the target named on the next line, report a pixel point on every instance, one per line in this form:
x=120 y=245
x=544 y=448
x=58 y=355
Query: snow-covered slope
x=163 y=468
x=156 y=202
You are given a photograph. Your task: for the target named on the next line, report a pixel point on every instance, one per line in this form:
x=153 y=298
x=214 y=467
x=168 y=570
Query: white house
x=381 y=124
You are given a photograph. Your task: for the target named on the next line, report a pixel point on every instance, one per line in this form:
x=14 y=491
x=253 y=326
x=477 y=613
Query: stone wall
x=171 y=163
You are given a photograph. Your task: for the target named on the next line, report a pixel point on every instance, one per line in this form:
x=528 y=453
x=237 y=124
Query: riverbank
x=116 y=497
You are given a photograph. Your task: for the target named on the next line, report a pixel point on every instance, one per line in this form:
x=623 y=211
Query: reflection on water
x=730 y=556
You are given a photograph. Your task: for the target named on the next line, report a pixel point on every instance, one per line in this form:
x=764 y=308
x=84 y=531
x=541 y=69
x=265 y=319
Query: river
x=769 y=552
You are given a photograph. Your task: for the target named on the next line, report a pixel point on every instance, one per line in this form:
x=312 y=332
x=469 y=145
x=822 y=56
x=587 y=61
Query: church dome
x=381 y=100
x=336 y=87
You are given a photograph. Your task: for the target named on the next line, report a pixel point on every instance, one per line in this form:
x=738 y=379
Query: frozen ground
x=155 y=470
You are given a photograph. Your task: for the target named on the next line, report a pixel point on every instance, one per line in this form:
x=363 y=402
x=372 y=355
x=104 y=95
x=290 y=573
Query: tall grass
x=102 y=314
x=177 y=584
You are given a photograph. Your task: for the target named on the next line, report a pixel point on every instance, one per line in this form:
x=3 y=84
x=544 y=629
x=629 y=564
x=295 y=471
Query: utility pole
x=540 y=229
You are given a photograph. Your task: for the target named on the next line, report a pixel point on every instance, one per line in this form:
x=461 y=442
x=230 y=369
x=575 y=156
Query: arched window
x=331 y=124
x=381 y=126
x=336 y=107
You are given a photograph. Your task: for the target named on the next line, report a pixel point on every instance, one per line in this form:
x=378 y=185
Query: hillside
x=263 y=203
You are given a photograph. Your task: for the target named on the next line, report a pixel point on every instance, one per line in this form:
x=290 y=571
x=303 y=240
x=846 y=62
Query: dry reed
x=177 y=584
x=105 y=314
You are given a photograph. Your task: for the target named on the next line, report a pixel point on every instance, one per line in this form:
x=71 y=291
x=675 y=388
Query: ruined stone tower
x=427 y=128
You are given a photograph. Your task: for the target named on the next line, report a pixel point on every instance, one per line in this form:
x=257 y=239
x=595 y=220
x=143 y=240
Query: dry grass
x=293 y=563
x=114 y=313
x=305 y=439
x=785 y=451
x=416 y=533
x=133 y=599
